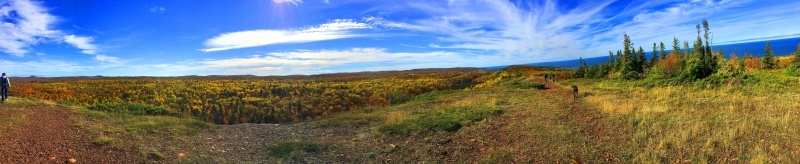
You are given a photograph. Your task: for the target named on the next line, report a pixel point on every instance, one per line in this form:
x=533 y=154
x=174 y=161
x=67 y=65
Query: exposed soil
x=47 y=135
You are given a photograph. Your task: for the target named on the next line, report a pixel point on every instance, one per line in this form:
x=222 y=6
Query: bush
x=792 y=71
x=134 y=108
x=288 y=150
x=449 y=119
x=101 y=141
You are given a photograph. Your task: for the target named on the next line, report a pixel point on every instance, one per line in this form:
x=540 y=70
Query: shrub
x=289 y=149
x=449 y=119
x=792 y=70
x=134 y=108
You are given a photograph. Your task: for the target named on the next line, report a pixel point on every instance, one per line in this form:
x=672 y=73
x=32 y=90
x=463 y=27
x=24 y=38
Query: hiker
x=545 y=76
x=554 y=77
x=575 y=92
x=4 y=84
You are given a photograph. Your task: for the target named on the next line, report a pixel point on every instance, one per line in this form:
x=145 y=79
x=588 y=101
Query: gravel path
x=46 y=135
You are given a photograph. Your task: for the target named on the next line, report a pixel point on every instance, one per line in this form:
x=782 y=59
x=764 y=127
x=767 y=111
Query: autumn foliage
x=250 y=99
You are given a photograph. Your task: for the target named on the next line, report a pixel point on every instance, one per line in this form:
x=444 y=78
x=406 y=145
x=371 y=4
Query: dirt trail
x=47 y=135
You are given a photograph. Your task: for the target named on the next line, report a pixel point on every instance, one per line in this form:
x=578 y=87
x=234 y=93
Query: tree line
x=700 y=62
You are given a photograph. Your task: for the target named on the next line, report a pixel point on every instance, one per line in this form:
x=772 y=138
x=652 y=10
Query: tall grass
x=756 y=122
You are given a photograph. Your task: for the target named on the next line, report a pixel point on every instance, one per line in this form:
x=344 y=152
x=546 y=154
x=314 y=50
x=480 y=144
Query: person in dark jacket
x=4 y=85
x=574 y=92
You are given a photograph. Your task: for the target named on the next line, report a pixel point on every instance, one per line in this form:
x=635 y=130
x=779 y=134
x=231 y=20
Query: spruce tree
x=686 y=47
x=768 y=62
x=654 y=57
x=676 y=48
x=661 y=50
x=581 y=72
x=796 y=61
x=641 y=61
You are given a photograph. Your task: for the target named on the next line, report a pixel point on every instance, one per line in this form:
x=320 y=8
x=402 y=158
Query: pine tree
x=676 y=48
x=768 y=62
x=796 y=61
x=641 y=61
x=654 y=56
x=581 y=72
x=661 y=50
x=686 y=47
x=629 y=69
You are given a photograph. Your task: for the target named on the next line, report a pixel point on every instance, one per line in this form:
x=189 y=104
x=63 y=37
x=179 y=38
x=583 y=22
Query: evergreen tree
x=796 y=61
x=676 y=48
x=629 y=69
x=686 y=47
x=661 y=50
x=768 y=62
x=641 y=61
x=654 y=57
x=581 y=72
x=620 y=63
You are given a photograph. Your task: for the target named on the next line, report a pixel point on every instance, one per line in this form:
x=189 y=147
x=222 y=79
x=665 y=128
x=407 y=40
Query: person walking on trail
x=574 y=92
x=553 y=77
x=4 y=85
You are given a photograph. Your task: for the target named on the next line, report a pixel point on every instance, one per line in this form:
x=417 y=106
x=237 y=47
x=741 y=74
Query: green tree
x=768 y=62
x=686 y=47
x=581 y=72
x=641 y=61
x=654 y=56
x=661 y=50
x=630 y=64
x=796 y=60
x=676 y=48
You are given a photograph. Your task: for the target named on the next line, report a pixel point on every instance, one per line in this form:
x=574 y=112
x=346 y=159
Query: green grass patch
x=114 y=122
x=291 y=150
x=448 y=119
x=350 y=118
x=102 y=141
x=521 y=83
x=134 y=108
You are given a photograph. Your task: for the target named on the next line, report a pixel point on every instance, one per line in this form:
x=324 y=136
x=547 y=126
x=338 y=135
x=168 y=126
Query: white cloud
x=109 y=59
x=51 y=67
x=157 y=9
x=326 y=1
x=336 y=29
x=83 y=43
x=317 y=61
x=294 y=2
x=24 y=23
x=547 y=30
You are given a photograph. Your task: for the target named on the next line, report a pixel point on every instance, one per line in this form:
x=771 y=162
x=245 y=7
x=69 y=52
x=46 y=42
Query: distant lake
x=779 y=47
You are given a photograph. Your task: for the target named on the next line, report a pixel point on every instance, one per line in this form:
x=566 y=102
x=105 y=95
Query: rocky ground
x=45 y=134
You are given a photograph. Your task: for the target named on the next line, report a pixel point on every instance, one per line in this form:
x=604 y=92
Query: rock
x=472 y=140
x=72 y=160
x=393 y=146
x=180 y=155
x=444 y=141
x=51 y=158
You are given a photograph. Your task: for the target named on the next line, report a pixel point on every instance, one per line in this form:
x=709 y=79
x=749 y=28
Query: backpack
x=4 y=81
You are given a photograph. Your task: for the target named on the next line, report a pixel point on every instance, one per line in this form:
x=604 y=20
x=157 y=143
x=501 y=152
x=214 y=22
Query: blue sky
x=283 y=37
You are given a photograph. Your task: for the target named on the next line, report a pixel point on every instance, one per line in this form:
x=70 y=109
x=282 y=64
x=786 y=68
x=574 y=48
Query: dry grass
x=685 y=124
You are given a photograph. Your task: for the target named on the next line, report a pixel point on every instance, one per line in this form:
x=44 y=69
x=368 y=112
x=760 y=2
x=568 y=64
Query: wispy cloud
x=294 y=2
x=157 y=9
x=316 y=61
x=336 y=29
x=83 y=43
x=547 y=30
x=24 y=23
x=87 y=29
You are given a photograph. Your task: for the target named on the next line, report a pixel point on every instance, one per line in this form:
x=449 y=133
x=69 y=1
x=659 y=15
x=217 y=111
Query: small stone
x=444 y=141
x=393 y=146
x=72 y=160
x=473 y=140
x=52 y=158
x=180 y=155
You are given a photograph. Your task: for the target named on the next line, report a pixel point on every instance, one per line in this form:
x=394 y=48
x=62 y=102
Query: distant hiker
x=574 y=92
x=545 y=76
x=554 y=77
x=4 y=85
